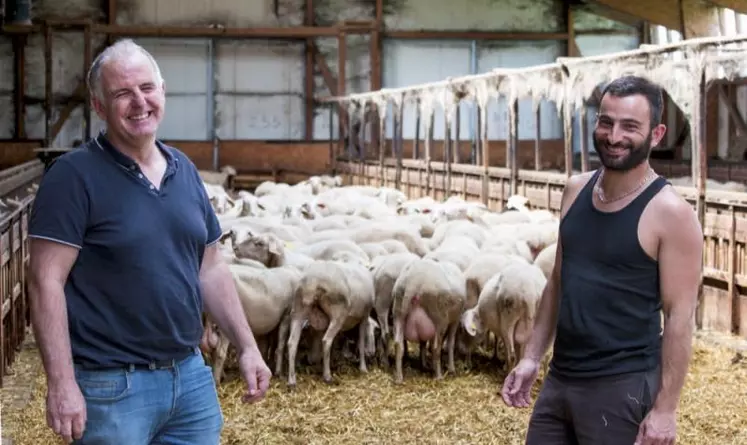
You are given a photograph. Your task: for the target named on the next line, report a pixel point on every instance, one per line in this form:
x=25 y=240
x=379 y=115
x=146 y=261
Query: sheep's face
x=264 y=248
x=517 y=202
x=470 y=321
x=307 y=211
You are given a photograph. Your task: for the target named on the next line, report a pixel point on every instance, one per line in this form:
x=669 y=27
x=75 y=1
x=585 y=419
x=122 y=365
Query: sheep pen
x=283 y=226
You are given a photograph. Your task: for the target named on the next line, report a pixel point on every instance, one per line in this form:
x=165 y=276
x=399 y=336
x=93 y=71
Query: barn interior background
x=248 y=85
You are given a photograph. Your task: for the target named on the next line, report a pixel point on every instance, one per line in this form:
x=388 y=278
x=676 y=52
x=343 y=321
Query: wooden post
x=485 y=145
x=568 y=137
x=398 y=140
x=341 y=76
x=87 y=61
x=583 y=135
x=513 y=144
x=699 y=165
x=48 y=97
x=309 y=75
x=538 y=137
x=428 y=144
x=416 y=142
x=19 y=80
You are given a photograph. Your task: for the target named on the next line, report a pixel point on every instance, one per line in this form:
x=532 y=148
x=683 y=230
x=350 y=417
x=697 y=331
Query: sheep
x=386 y=269
x=265 y=296
x=221 y=178
x=428 y=299
x=507 y=306
x=546 y=259
x=267 y=249
x=332 y=296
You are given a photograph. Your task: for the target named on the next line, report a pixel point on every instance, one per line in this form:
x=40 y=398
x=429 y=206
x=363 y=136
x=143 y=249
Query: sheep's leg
x=450 y=343
x=221 y=352
x=507 y=335
x=283 y=329
x=362 y=337
x=335 y=324
x=382 y=350
x=296 y=326
x=399 y=348
x=424 y=355
x=436 y=345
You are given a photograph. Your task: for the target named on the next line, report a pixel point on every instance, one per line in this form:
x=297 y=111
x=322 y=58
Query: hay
x=461 y=409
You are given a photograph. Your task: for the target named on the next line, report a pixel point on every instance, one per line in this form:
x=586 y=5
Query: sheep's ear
x=470 y=323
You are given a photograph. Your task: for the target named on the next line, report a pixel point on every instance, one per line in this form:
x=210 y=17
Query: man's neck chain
x=600 y=193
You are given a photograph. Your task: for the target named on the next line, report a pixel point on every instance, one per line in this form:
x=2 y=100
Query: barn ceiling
x=693 y=18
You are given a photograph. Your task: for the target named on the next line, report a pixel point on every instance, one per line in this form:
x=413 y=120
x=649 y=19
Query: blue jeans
x=135 y=406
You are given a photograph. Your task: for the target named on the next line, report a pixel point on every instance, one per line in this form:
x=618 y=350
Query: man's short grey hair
x=122 y=49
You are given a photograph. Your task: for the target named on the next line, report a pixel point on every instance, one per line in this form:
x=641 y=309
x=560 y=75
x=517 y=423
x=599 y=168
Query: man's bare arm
x=680 y=269
x=50 y=264
x=222 y=301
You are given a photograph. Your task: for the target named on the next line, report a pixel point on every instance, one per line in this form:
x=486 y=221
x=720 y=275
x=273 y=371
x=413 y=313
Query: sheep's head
x=265 y=248
x=470 y=321
x=517 y=202
x=307 y=211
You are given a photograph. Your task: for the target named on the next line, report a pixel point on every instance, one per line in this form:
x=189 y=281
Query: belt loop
x=131 y=367
x=152 y=366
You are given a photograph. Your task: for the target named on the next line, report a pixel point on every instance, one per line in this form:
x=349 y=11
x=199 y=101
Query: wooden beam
x=699 y=19
x=19 y=78
x=309 y=75
x=659 y=12
x=427 y=34
x=739 y=6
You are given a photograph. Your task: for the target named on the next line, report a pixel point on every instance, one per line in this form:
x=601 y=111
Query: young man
x=629 y=246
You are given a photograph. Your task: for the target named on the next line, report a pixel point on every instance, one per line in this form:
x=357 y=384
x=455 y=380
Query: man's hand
x=256 y=374
x=66 y=410
x=658 y=428
x=518 y=383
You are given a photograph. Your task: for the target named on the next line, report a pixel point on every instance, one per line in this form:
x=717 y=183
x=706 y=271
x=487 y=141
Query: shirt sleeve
x=211 y=219
x=61 y=206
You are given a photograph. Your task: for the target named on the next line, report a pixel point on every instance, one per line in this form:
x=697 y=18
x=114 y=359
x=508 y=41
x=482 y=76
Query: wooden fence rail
x=723 y=300
x=14 y=259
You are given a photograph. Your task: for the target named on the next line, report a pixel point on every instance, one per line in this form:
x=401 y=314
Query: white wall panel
x=520 y=55
x=409 y=63
x=260 y=90
x=260 y=117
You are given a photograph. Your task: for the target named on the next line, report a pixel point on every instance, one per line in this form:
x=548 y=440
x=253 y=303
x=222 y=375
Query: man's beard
x=635 y=155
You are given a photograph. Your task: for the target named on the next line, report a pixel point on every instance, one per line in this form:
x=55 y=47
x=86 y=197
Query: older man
x=629 y=247
x=123 y=256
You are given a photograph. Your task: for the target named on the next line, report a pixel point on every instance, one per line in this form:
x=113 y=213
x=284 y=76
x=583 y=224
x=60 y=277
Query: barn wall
x=253 y=89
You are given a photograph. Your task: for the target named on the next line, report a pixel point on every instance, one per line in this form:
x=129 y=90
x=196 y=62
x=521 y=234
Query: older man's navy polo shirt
x=133 y=294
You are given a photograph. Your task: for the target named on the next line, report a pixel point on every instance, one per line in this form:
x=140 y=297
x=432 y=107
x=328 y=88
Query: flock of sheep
x=319 y=261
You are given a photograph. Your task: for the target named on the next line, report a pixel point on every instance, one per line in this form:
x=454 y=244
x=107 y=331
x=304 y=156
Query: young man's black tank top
x=609 y=321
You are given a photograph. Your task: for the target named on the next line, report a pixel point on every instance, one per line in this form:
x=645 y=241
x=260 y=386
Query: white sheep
x=331 y=296
x=507 y=306
x=428 y=299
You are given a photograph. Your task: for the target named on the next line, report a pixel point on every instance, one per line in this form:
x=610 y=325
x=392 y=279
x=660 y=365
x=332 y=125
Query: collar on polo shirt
x=127 y=162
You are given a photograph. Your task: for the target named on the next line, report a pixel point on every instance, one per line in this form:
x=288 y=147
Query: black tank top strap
x=640 y=202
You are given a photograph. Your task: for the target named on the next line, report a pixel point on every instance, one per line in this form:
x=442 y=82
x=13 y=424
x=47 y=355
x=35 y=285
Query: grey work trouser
x=598 y=411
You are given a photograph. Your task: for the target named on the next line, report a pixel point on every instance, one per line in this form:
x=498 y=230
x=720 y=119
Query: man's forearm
x=223 y=305
x=544 y=326
x=675 y=359
x=49 y=321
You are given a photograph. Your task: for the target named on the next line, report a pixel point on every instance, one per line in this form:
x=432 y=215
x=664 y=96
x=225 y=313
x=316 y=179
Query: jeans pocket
x=103 y=385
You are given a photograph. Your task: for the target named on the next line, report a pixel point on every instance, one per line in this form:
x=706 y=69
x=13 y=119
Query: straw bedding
x=458 y=410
